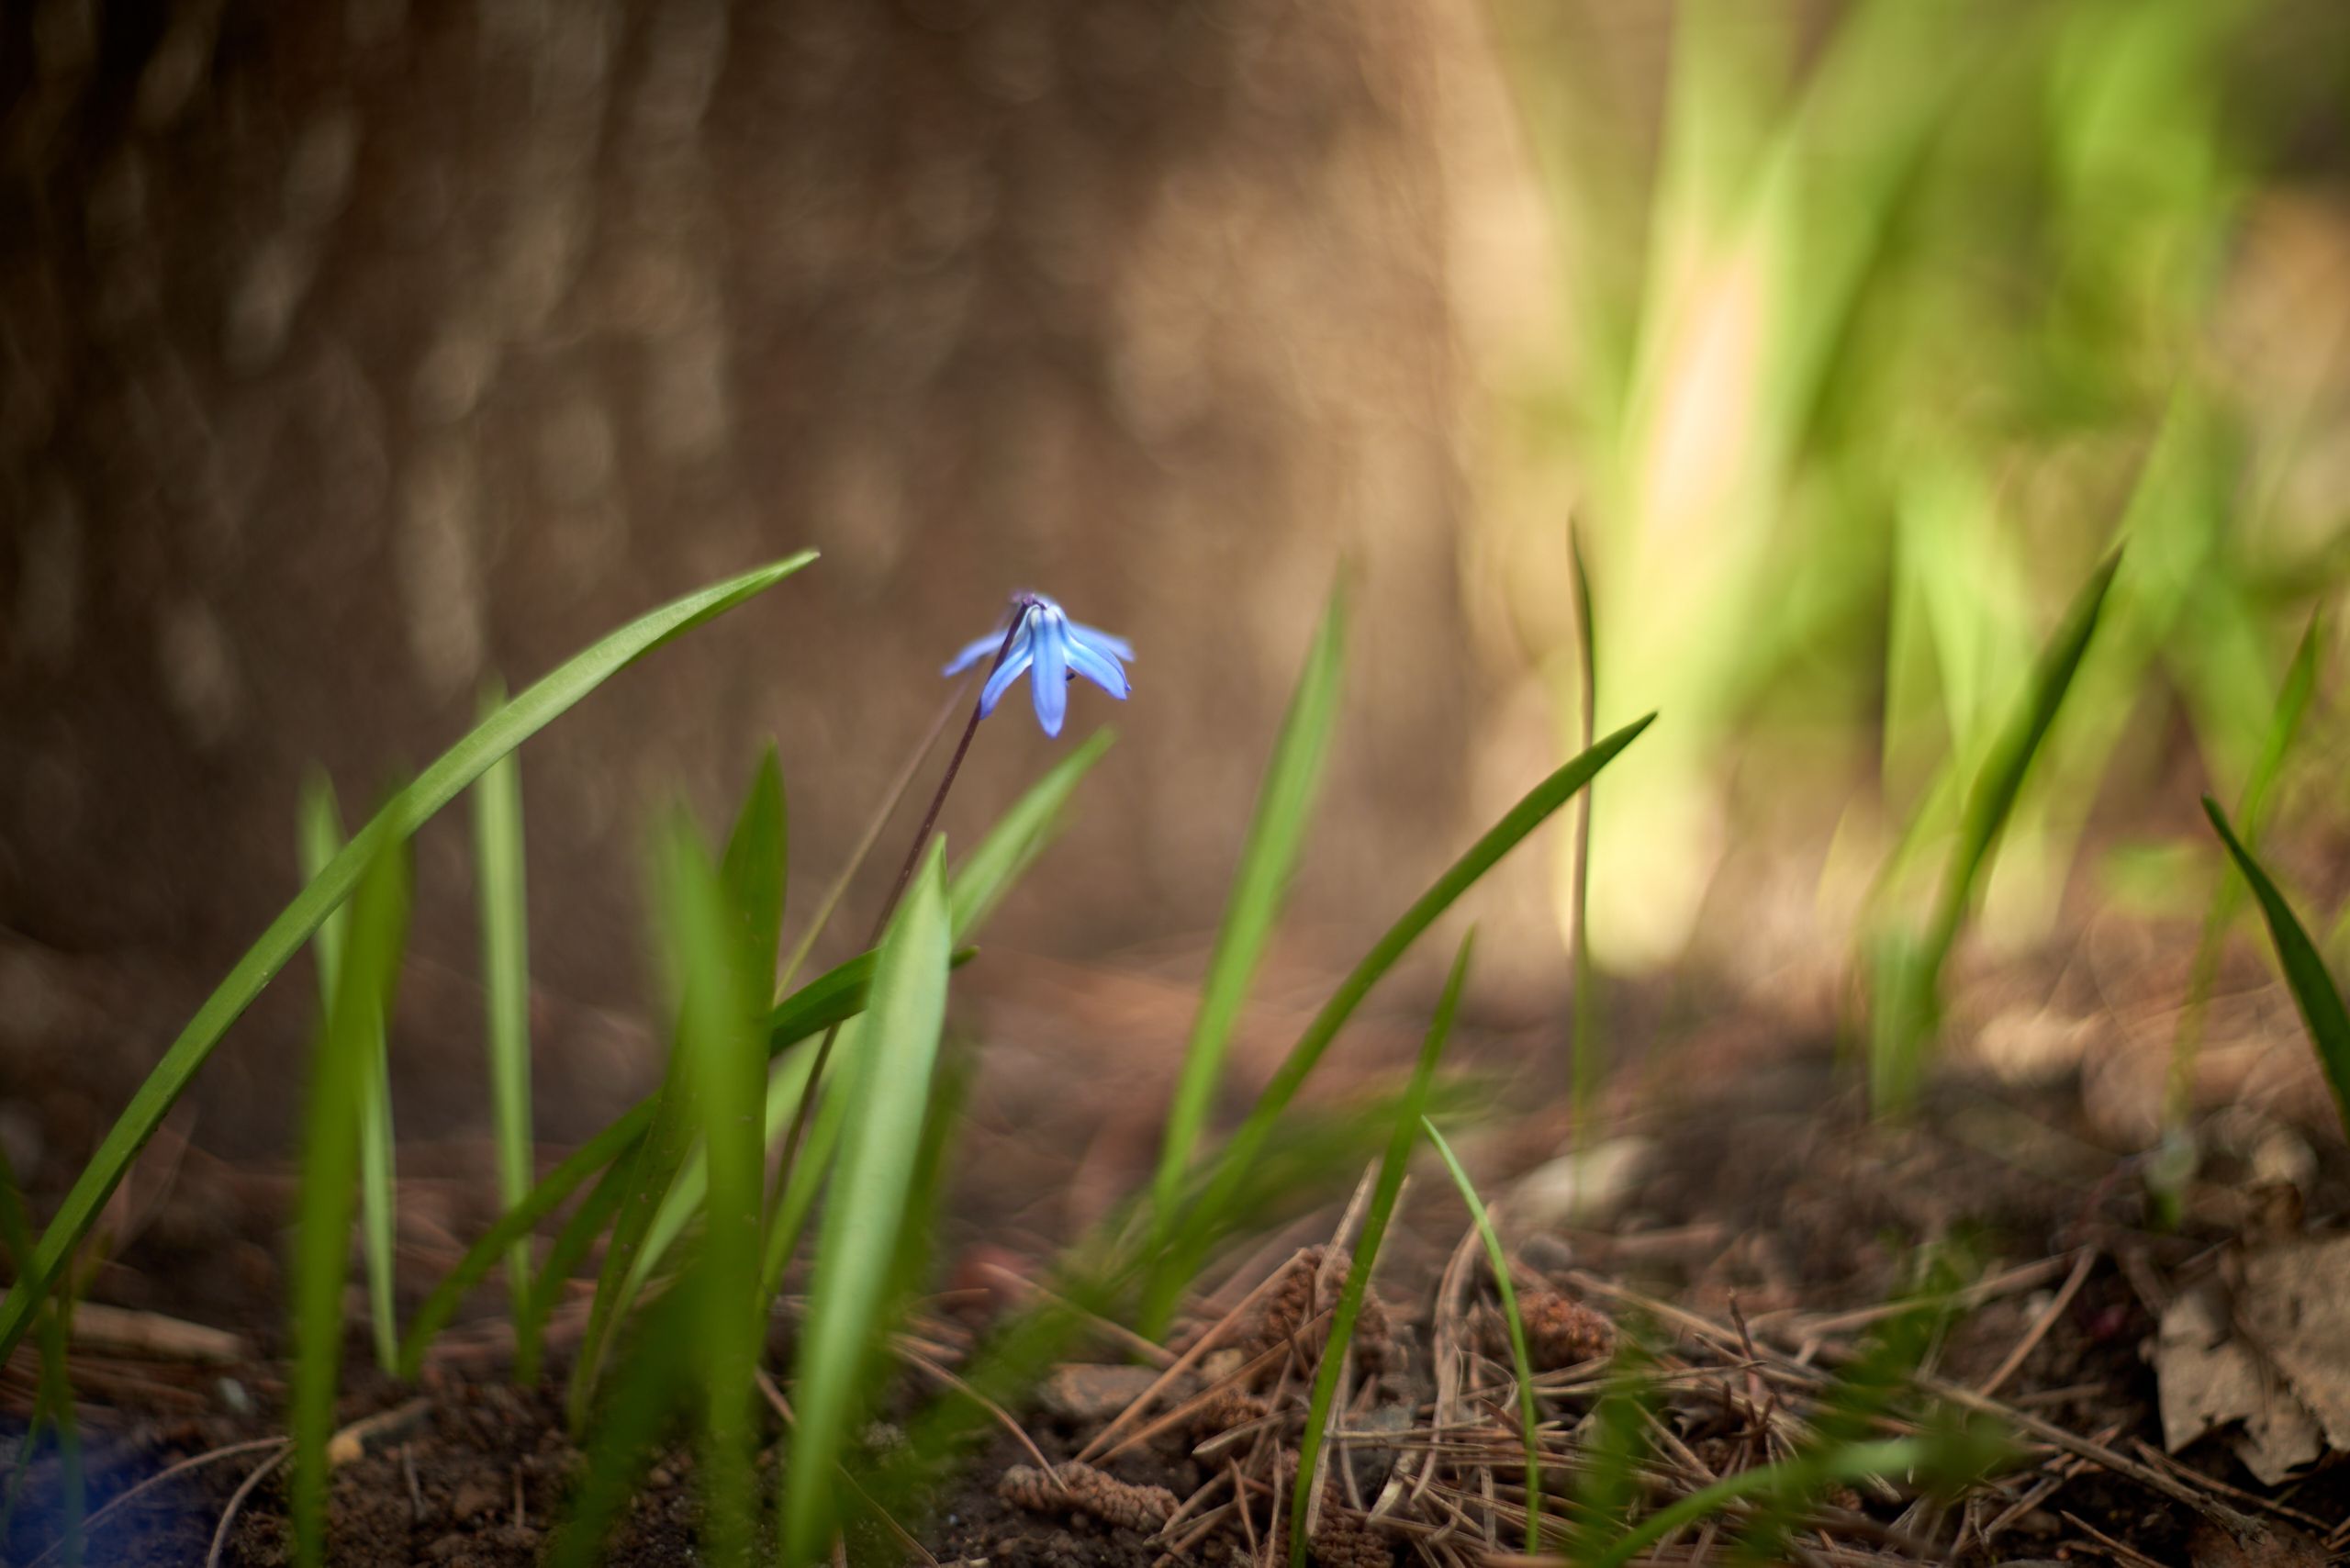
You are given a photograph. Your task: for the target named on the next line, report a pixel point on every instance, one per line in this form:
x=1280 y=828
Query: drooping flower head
x=1060 y=650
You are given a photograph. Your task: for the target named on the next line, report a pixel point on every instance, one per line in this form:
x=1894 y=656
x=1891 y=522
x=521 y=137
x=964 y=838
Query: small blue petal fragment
x=1057 y=649
x=1015 y=665
x=1050 y=687
x=1097 y=666
x=973 y=653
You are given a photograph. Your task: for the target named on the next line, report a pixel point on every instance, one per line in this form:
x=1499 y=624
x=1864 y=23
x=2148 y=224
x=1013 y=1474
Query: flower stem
x=889 y=906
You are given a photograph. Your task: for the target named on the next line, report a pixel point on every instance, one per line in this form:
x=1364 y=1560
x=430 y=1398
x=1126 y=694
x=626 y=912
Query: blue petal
x=1108 y=642
x=1050 y=686
x=1097 y=667
x=1014 y=665
x=973 y=653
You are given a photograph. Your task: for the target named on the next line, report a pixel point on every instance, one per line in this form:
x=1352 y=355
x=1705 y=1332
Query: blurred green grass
x=1880 y=325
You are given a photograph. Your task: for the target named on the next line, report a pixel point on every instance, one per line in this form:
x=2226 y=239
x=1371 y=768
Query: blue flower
x=1058 y=649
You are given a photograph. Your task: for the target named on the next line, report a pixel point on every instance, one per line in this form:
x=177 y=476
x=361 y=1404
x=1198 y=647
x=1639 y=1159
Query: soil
x=1768 y=1206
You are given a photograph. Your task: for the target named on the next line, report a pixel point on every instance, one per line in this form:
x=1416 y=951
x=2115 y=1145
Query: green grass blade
x=2251 y=811
x=831 y=998
x=1019 y=836
x=871 y=1183
x=753 y=879
x=511 y=1229
x=572 y=1242
x=2305 y=972
x=1388 y=1188
x=758 y=857
x=320 y=837
x=1268 y=857
x=332 y=1123
x=709 y=954
x=433 y=788
x=1583 y=1052
x=1860 y=1461
x=1530 y=1418
x=636 y=1411
x=1909 y=989
x=506 y=983
x=1176 y=1268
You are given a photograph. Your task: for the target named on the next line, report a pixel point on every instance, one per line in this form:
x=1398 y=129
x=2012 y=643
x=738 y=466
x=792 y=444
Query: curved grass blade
x=1908 y=973
x=505 y=982
x=369 y=972
x=871 y=1183
x=2251 y=811
x=1176 y=1266
x=1268 y=857
x=2305 y=972
x=435 y=788
x=1305 y=1506
x=321 y=836
x=513 y=1229
x=1529 y=1418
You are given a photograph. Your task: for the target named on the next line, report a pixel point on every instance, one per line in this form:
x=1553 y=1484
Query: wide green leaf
x=401 y=816
x=890 y=1078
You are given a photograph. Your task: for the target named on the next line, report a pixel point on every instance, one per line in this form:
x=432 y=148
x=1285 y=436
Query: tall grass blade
x=1179 y=1265
x=831 y=998
x=642 y=1397
x=1583 y=1048
x=433 y=788
x=320 y=837
x=367 y=976
x=753 y=879
x=1530 y=1418
x=1304 y=1508
x=757 y=871
x=1268 y=859
x=2251 y=811
x=506 y=983
x=2305 y=972
x=709 y=955
x=1908 y=976
x=872 y=1180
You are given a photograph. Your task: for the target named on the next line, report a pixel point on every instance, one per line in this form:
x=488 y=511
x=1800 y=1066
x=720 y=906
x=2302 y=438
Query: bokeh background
x=354 y=354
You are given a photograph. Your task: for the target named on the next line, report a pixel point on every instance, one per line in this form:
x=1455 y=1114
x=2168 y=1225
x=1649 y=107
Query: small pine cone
x=1075 y=1487
x=1560 y=1332
x=1344 y=1541
x=1231 y=1406
x=1843 y=1497
x=1291 y=1311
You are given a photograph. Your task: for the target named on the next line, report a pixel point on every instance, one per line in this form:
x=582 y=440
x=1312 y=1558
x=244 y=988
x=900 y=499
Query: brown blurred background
x=351 y=355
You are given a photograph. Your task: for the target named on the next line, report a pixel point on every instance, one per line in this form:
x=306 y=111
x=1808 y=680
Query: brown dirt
x=1771 y=1198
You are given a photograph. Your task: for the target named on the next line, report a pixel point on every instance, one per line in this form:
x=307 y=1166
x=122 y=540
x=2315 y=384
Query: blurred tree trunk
x=352 y=353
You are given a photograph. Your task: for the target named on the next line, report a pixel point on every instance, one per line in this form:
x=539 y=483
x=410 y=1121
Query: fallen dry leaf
x=2266 y=1346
